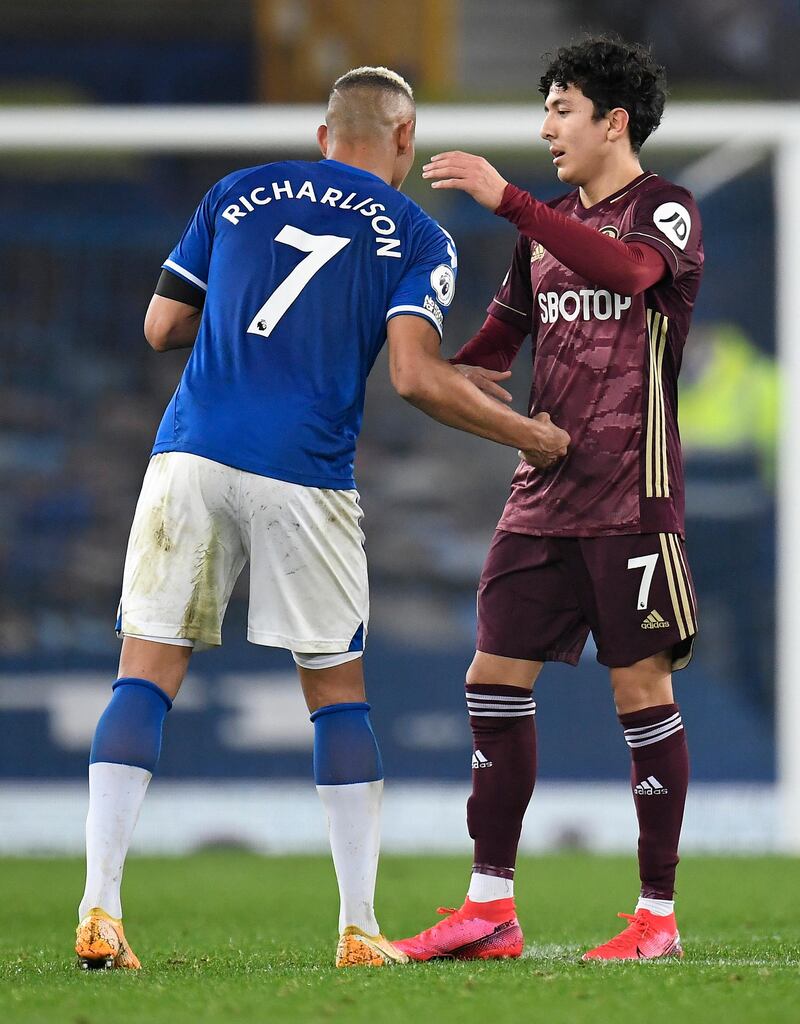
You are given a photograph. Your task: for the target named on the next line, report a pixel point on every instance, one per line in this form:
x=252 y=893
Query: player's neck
x=610 y=179
x=364 y=157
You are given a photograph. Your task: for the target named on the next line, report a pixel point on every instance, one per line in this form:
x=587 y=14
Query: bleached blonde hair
x=376 y=77
x=367 y=102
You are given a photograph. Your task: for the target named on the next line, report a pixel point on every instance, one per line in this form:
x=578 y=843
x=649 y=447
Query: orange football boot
x=101 y=944
x=359 y=949
x=647 y=937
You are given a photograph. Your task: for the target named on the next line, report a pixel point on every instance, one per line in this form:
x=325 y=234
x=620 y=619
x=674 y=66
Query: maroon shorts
x=539 y=597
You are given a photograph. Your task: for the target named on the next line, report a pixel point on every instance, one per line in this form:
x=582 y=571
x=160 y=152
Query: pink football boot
x=647 y=937
x=476 y=931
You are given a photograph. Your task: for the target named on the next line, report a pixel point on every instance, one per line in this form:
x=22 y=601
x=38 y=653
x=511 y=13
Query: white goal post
x=727 y=138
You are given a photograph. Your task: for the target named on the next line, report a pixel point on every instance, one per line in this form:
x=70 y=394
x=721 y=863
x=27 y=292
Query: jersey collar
x=582 y=212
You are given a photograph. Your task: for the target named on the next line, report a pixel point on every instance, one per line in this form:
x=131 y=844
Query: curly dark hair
x=612 y=73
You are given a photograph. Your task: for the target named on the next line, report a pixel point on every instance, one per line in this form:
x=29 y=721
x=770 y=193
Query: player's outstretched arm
x=622 y=267
x=171 y=324
x=423 y=378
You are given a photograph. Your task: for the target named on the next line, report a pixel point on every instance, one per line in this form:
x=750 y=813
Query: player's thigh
x=527 y=607
x=645 y=602
x=184 y=552
x=309 y=589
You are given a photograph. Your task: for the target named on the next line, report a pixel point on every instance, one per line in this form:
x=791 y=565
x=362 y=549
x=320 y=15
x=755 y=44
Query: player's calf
x=503 y=775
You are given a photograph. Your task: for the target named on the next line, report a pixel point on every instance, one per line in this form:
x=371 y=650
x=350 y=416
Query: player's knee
x=648 y=683
x=495 y=670
x=165 y=662
x=330 y=678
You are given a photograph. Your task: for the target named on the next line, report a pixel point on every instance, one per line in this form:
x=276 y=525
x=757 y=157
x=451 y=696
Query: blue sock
x=129 y=730
x=345 y=748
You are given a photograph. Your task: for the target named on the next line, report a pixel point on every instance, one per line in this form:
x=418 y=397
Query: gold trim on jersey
x=680 y=589
x=616 y=199
x=506 y=306
x=656 y=472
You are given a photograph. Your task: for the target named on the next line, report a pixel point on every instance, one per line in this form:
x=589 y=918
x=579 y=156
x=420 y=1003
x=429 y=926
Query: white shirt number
x=648 y=563
x=320 y=249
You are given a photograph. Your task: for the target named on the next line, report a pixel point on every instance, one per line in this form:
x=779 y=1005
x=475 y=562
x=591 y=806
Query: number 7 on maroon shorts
x=539 y=597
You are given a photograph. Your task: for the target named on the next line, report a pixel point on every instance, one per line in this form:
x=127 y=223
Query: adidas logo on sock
x=650 y=787
x=479 y=761
x=655 y=621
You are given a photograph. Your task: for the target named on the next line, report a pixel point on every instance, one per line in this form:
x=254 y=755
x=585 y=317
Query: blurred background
x=82 y=236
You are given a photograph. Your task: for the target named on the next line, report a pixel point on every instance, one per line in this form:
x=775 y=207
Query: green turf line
x=231 y=936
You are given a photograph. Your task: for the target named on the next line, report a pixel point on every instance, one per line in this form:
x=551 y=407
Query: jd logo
x=674 y=221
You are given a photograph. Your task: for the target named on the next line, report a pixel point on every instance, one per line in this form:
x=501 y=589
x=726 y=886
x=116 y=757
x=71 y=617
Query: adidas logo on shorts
x=654 y=621
x=479 y=761
x=650 y=787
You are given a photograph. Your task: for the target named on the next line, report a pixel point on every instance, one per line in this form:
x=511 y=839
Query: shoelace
x=452 y=917
x=639 y=926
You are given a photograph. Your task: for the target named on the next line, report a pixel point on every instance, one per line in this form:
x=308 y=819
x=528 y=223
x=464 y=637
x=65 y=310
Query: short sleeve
x=667 y=219
x=191 y=257
x=428 y=286
x=513 y=302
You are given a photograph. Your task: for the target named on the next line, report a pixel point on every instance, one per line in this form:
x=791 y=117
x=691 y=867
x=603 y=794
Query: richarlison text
x=383 y=226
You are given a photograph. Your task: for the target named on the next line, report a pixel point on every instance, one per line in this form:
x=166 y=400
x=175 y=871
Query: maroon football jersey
x=605 y=367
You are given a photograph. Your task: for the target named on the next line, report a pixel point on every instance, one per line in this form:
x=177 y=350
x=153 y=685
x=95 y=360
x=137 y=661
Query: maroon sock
x=659 y=778
x=503 y=773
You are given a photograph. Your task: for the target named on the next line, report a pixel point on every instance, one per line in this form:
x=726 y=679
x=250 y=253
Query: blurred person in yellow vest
x=729 y=396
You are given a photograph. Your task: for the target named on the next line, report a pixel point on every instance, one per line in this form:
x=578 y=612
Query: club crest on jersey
x=674 y=221
x=443 y=282
x=610 y=230
x=537 y=253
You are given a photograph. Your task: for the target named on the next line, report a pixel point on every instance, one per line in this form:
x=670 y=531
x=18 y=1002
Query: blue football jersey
x=303 y=264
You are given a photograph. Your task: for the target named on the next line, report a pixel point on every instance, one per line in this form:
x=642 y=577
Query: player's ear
x=322 y=139
x=618 y=120
x=404 y=136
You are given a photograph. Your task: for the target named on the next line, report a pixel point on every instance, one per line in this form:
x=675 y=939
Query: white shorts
x=197 y=523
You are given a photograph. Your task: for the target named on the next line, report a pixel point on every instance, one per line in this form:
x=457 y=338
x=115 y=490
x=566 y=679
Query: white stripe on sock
x=654 y=732
x=492 y=696
x=655 y=739
x=502 y=714
x=500 y=707
x=655 y=725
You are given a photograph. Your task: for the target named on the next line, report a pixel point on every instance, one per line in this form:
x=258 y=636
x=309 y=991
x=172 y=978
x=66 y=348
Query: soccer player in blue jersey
x=286 y=283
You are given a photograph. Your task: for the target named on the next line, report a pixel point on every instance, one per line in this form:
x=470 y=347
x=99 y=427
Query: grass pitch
x=230 y=936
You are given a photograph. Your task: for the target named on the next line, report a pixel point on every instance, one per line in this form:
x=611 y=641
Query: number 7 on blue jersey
x=320 y=249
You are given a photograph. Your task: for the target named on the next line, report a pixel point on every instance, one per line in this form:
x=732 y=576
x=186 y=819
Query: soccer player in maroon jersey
x=604 y=280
